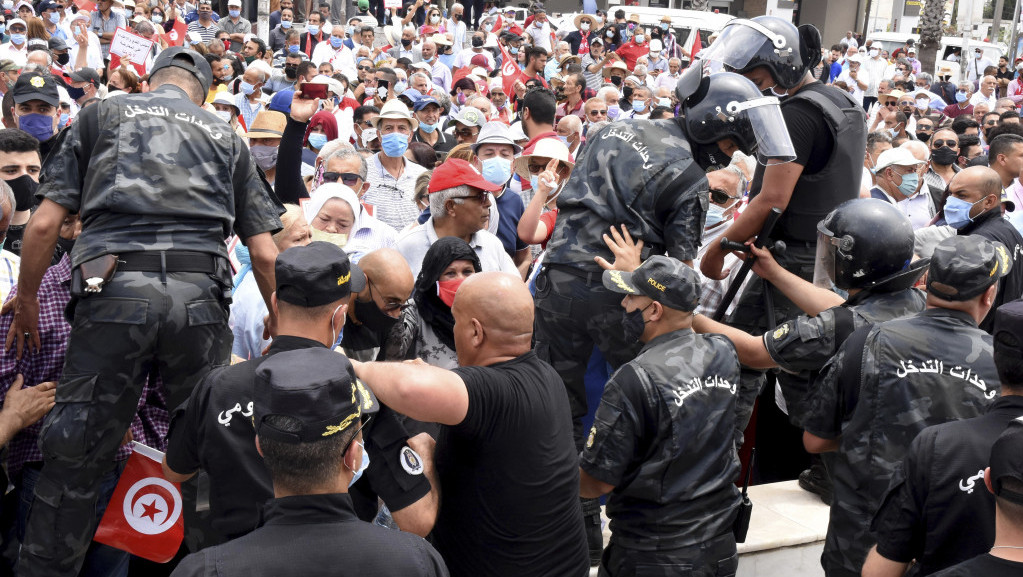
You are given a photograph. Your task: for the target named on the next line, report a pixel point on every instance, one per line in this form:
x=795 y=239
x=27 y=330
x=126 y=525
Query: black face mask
x=290 y=73
x=63 y=59
x=616 y=80
x=627 y=92
x=633 y=325
x=457 y=17
x=64 y=246
x=406 y=42
x=477 y=42
x=24 y=191
x=370 y=315
x=75 y=93
x=944 y=156
x=923 y=136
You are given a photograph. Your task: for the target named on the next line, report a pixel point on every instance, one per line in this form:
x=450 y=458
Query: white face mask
x=874 y=53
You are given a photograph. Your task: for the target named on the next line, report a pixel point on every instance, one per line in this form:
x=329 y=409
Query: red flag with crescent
x=144 y=516
x=176 y=35
x=509 y=71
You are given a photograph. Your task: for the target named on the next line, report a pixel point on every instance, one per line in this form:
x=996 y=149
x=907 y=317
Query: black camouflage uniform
x=805 y=344
x=162 y=183
x=637 y=173
x=662 y=438
x=890 y=382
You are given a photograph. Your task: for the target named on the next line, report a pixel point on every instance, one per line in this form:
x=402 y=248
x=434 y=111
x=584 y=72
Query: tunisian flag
x=176 y=35
x=144 y=516
x=509 y=71
x=697 y=45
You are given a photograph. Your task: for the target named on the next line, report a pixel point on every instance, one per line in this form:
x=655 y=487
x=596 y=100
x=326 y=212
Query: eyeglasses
x=721 y=197
x=949 y=143
x=891 y=104
x=389 y=307
x=465 y=132
x=346 y=178
x=990 y=122
x=365 y=68
x=480 y=196
x=598 y=113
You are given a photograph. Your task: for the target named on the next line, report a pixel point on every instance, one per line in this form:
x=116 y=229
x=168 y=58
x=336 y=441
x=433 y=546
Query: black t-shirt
x=986 y=565
x=509 y=477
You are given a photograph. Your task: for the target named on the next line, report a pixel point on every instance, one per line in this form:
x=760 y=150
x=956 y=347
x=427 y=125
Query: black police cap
x=186 y=59
x=316 y=274
x=36 y=86
x=315 y=387
x=962 y=267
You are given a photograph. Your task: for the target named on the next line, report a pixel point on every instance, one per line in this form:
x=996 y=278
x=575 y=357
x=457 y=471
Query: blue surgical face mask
x=3 y=28
x=246 y=88
x=513 y=50
x=564 y=140
x=157 y=19
x=534 y=180
x=8 y=4
x=427 y=128
x=400 y=86
x=909 y=183
x=957 y=212
x=54 y=17
x=336 y=41
x=312 y=29
x=640 y=38
x=64 y=116
x=234 y=13
x=394 y=144
x=638 y=105
x=317 y=140
x=363 y=466
x=18 y=39
x=715 y=215
x=38 y=125
x=960 y=96
x=293 y=49
x=497 y=170
x=285 y=24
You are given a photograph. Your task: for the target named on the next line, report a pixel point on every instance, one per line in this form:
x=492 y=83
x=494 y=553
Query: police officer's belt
x=167 y=261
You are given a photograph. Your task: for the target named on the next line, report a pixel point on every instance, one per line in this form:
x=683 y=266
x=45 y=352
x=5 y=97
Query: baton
x=747 y=265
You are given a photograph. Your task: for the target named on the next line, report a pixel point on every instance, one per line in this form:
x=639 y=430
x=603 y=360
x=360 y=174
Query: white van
x=951 y=47
x=683 y=22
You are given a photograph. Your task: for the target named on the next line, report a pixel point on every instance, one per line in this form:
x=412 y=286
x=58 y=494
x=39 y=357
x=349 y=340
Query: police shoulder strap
x=851 y=376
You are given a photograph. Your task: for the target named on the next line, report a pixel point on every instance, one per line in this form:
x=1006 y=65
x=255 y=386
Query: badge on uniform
x=781 y=331
x=410 y=461
x=593 y=433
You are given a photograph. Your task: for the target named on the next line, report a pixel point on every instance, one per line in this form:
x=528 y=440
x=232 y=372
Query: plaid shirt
x=391 y=198
x=149 y=426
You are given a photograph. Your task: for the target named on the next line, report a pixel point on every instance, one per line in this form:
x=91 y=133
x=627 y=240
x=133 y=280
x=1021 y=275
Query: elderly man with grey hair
x=408 y=48
x=459 y=206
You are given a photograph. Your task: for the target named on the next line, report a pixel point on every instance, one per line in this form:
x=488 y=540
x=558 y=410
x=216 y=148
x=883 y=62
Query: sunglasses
x=598 y=113
x=948 y=143
x=365 y=68
x=720 y=196
x=990 y=122
x=891 y=104
x=346 y=178
x=480 y=196
x=465 y=133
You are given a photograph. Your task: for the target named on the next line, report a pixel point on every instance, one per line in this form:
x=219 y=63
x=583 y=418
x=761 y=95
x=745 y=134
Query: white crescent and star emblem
x=152 y=506
x=173 y=34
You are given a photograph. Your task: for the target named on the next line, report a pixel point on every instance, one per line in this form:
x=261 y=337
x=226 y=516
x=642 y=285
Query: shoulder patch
x=593 y=433
x=780 y=331
x=410 y=461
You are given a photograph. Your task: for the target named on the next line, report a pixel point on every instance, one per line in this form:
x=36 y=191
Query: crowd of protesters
x=394 y=179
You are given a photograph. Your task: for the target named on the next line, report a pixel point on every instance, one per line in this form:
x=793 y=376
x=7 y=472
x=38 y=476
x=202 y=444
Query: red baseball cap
x=456 y=172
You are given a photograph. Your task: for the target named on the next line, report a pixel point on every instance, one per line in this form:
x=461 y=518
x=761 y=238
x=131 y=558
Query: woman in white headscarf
x=336 y=216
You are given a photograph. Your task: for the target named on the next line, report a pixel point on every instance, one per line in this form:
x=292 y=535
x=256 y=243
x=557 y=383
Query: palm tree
x=930 y=33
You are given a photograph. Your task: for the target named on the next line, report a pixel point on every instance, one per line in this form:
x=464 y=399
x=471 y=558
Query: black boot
x=817 y=481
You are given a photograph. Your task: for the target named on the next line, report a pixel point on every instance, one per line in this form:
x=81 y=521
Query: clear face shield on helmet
x=740 y=41
x=773 y=143
x=829 y=249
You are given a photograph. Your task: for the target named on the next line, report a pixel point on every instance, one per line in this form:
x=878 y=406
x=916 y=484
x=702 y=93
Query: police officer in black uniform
x=870 y=247
x=307 y=409
x=661 y=199
x=937 y=510
x=891 y=381
x=828 y=130
x=214 y=430
x=661 y=441
x=159 y=184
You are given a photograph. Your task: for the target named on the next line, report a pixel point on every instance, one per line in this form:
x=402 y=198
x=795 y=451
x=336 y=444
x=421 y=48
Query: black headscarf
x=432 y=310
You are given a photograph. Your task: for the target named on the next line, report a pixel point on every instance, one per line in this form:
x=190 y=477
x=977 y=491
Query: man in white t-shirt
x=855 y=77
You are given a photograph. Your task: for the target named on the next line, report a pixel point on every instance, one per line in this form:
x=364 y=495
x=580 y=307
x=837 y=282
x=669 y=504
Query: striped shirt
x=391 y=198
